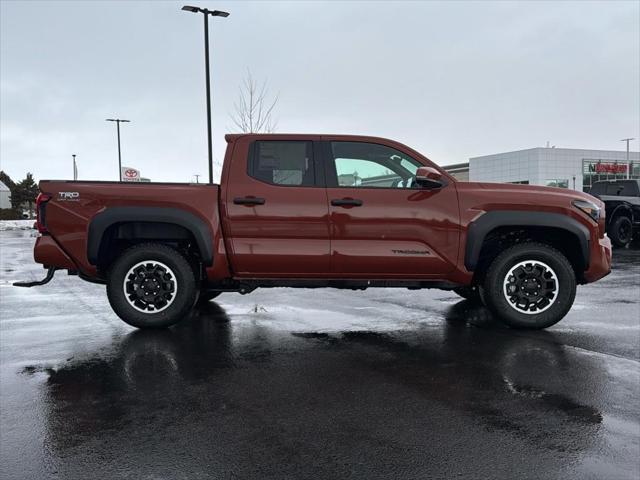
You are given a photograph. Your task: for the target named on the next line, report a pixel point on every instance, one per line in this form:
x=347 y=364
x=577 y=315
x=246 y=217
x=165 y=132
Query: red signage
x=131 y=173
x=610 y=167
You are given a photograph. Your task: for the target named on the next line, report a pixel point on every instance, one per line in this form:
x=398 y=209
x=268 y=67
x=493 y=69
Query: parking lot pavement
x=315 y=384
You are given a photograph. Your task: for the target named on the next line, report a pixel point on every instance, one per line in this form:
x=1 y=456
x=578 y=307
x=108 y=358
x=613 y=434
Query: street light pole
x=206 y=13
x=628 y=164
x=118 y=120
x=208 y=80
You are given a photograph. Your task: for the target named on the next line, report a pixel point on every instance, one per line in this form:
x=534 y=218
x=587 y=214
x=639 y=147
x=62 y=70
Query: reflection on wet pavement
x=284 y=384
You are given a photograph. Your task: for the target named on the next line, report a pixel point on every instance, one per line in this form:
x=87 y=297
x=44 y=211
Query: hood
x=515 y=195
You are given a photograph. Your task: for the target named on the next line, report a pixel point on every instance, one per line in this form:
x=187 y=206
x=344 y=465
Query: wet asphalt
x=328 y=384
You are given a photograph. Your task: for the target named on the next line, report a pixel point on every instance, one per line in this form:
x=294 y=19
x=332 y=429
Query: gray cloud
x=454 y=80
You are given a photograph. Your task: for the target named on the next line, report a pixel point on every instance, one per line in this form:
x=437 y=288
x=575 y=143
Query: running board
x=46 y=279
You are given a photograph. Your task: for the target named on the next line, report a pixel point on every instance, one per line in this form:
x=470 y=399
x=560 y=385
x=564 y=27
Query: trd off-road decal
x=68 y=196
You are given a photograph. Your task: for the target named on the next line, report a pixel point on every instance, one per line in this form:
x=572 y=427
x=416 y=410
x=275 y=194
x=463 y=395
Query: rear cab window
x=283 y=162
x=627 y=188
x=624 y=188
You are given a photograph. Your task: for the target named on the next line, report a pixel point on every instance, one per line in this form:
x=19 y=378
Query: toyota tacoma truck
x=622 y=207
x=315 y=211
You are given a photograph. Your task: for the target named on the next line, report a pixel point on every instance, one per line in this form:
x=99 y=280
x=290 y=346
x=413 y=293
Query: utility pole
x=75 y=168
x=206 y=13
x=628 y=164
x=117 y=120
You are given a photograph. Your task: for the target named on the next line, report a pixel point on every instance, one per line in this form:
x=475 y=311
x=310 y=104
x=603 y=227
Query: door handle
x=248 y=201
x=346 y=202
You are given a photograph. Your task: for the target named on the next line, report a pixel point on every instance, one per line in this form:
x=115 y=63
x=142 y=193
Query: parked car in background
x=622 y=203
x=324 y=211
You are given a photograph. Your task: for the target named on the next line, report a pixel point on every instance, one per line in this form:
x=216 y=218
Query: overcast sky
x=453 y=80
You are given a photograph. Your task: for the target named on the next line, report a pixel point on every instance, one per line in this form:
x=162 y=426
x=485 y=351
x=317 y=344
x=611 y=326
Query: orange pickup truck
x=323 y=211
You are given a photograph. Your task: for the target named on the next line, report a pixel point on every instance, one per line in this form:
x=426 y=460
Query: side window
x=282 y=163
x=369 y=165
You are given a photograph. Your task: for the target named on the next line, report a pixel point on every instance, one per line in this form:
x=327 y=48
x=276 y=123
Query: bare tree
x=254 y=109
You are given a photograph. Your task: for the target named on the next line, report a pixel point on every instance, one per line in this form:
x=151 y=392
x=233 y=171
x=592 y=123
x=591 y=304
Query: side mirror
x=429 y=177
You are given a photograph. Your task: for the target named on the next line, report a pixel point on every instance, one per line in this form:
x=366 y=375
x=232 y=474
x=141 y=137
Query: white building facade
x=5 y=196
x=557 y=167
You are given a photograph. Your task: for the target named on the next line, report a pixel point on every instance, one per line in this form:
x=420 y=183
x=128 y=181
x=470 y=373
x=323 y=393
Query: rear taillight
x=41 y=203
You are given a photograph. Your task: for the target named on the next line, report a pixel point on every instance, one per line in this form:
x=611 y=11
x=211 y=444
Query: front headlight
x=589 y=208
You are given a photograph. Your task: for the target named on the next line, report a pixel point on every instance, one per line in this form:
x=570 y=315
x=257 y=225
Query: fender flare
x=114 y=215
x=478 y=230
x=622 y=206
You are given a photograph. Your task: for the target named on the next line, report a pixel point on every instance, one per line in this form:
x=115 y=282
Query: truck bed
x=73 y=205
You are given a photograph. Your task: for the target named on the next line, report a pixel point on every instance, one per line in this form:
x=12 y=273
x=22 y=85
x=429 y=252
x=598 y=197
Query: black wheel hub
x=150 y=287
x=530 y=287
x=624 y=232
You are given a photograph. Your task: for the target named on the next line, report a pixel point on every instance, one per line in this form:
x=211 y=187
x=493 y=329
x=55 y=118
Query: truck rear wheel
x=151 y=286
x=530 y=285
x=620 y=231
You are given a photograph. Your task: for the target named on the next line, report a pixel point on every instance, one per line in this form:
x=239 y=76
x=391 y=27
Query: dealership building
x=571 y=168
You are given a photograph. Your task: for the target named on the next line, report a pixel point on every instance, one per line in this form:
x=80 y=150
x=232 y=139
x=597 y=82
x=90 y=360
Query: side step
x=46 y=279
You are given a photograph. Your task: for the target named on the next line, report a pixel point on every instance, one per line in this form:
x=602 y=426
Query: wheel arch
x=623 y=208
x=148 y=223
x=564 y=227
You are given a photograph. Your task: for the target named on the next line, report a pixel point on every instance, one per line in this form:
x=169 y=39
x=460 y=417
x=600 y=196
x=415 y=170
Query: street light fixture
x=118 y=120
x=206 y=13
x=628 y=164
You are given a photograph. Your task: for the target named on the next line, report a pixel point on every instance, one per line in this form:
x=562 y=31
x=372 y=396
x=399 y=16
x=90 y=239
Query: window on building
x=557 y=182
x=282 y=163
x=369 y=165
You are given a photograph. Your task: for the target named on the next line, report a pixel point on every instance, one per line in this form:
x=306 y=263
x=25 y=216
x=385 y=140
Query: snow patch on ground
x=16 y=225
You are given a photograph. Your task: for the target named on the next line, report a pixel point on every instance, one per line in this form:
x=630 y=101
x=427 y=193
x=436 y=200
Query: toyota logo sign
x=131 y=173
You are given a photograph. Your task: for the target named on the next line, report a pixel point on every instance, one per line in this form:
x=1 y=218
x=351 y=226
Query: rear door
x=383 y=225
x=276 y=215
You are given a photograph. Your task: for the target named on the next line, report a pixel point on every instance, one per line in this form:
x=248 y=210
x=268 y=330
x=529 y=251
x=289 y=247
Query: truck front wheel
x=620 y=231
x=151 y=286
x=530 y=285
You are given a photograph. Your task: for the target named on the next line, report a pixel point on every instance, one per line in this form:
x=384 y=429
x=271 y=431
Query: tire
x=163 y=269
x=530 y=285
x=471 y=293
x=620 y=231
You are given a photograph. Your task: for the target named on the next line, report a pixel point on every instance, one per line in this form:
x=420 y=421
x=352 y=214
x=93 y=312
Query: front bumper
x=599 y=261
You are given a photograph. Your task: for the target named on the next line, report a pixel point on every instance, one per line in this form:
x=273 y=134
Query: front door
x=276 y=217
x=384 y=225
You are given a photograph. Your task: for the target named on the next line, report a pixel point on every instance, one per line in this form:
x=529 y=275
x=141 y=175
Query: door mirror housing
x=429 y=177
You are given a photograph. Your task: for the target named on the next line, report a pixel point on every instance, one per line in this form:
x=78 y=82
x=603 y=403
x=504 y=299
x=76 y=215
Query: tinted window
x=623 y=188
x=597 y=189
x=282 y=163
x=614 y=188
x=369 y=165
x=629 y=188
